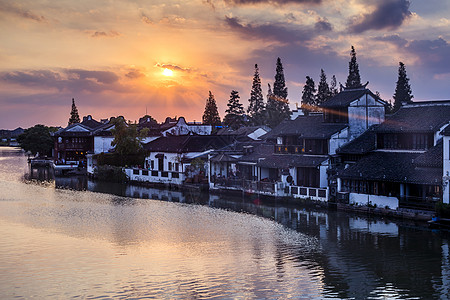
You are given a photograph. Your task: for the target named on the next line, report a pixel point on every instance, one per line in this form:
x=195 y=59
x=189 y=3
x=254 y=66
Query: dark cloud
x=432 y=54
x=393 y=39
x=274 y=2
x=146 y=19
x=323 y=25
x=172 y=67
x=76 y=80
x=272 y=32
x=100 y=34
x=17 y=10
x=389 y=14
x=134 y=74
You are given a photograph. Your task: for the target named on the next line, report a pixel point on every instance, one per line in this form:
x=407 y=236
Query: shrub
x=110 y=173
x=442 y=210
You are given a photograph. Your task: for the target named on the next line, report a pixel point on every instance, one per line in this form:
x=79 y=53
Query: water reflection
x=115 y=240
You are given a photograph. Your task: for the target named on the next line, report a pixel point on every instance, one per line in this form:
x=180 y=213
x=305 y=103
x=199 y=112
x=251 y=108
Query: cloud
x=146 y=19
x=393 y=39
x=172 y=67
x=21 y=12
x=134 y=74
x=323 y=25
x=270 y=32
x=76 y=80
x=431 y=54
x=390 y=14
x=100 y=34
x=273 y=2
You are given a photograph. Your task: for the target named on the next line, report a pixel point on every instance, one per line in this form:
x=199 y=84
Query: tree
x=74 y=117
x=323 y=90
x=309 y=96
x=277 y=103
x=403 y=93
x=235 y=112
x=353 y=79
x=127 y=138
x=255 y=108
x=211 y=114
x=333 y=86
x=37 y=139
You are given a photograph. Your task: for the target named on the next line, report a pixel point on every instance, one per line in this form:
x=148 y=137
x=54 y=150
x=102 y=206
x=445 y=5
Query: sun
x=167 y=72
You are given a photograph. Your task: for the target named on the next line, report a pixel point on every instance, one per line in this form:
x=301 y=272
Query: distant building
x=75 y=141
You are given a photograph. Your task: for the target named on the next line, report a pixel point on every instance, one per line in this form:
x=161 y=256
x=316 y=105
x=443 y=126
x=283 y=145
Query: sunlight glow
x=167 y=72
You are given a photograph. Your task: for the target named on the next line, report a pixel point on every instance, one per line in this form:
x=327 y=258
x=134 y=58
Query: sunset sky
x=111 y=56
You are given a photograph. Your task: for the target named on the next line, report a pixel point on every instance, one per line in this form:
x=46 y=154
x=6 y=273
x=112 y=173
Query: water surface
x=99 y=240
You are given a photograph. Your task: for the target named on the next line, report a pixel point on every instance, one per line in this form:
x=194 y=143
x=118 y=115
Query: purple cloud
x=390 y=14
x=275 y=2
x=271 y=32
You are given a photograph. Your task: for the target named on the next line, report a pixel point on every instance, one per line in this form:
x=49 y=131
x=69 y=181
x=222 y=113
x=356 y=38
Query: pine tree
x=323 y=90
x=235 y=112
x=333 y=86
x=403 y=93
x=211 y=114
x=277 y=104
x=255 y=108
x=353 y=79
x=309 y=96
x=74 y=117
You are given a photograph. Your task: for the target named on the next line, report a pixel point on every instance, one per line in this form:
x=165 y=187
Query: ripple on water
x=117 y=247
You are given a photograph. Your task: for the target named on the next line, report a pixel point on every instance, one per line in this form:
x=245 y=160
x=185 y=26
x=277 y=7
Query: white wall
x=323 y=175
x=102 y=144
x=168 y=157
x=380 y=201
x=446 y=169
x=364 y=112
x=337 y=140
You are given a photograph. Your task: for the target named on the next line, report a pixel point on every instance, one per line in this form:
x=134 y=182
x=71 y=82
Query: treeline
x=276 y=108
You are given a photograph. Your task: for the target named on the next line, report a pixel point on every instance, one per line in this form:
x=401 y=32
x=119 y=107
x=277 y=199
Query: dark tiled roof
x=344 y=98
x=260 y=150
x=91 y=123
x=418 y=117
x=245 y=130
x=306 y=127
x=283 y=161
x=391 y=167
x=186 y=143
x=432 y=158
x=364 y=143
x=222 y=157
x=446 y=131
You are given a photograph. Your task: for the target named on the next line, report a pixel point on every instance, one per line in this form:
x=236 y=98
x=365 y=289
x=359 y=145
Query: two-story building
x=75 y=141
x=173 y=159
x=398 y=163
x=299 y=164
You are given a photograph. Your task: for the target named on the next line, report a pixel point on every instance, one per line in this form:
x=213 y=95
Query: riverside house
x=398 y=163
x=301 y=148
x=176 y=159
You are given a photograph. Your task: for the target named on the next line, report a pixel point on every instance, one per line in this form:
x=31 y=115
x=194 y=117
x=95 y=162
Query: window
x=170 y=166
x=177 y=167
x=152 y=164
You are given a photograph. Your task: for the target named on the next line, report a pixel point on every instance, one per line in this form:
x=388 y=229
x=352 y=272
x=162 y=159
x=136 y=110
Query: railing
x=307 y=192
x=73 y=146
x=144 y=174
x=246 y=185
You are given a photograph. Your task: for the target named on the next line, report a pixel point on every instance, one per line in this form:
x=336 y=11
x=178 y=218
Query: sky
x=111 y=56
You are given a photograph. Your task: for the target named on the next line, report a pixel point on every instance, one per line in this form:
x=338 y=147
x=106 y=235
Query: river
x=75 y=238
